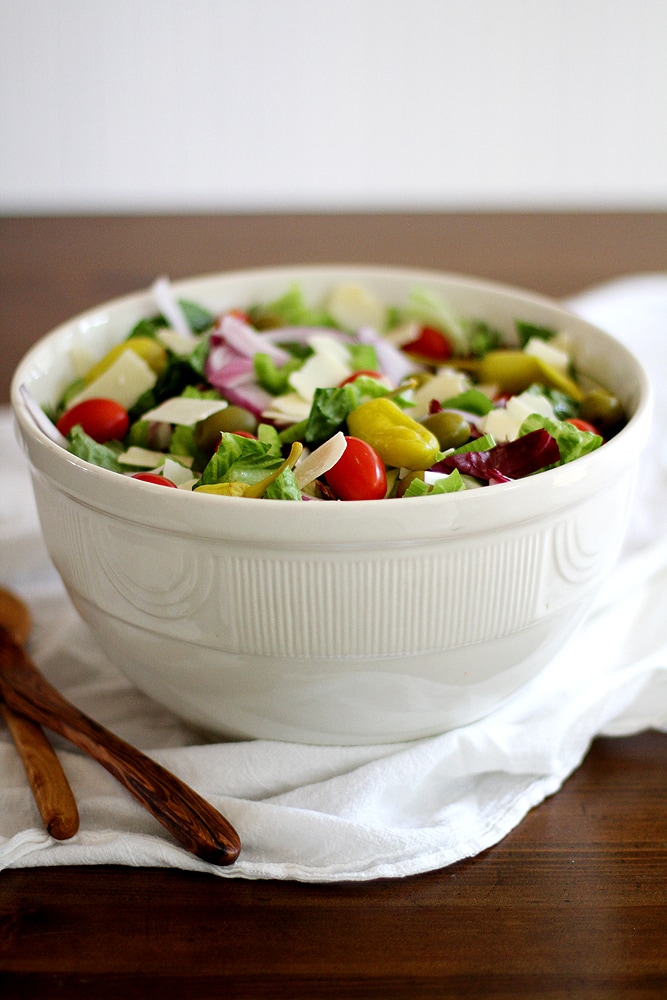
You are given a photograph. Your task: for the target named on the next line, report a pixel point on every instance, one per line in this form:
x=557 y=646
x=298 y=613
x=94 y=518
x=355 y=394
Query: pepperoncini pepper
x=399 y=440
x=513 y=371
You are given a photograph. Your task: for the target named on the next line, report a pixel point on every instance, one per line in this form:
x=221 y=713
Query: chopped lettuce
x=240 y=460
x=272 y=377
x=104 y=455
x=471 y=401
x=447 y=484
x=290 y=309
x=198 y=319
x=363 y=357
x=284 y=487
x=563 y=405
x=482 y=338
x=430 y=310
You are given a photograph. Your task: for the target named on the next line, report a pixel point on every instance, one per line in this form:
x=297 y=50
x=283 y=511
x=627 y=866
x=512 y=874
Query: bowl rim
x=79 y=471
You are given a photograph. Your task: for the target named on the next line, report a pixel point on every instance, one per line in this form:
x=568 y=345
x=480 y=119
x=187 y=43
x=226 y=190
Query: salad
x=345 y=400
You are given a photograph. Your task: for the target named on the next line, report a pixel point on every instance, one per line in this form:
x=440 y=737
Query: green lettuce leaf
x=104 y=455
x=284 y=487
x=272 y=377
x=240 y=460
x=291 y=309
x=572 y=443
x=472 y=400
x=448 y=484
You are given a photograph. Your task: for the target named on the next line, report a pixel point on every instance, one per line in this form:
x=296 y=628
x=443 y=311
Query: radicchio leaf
x=508 y=460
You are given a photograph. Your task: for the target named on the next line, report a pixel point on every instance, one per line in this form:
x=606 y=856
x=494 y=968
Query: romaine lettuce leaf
x=104 y=455
x=240 y=459
x=572 y=443
x=448 y=484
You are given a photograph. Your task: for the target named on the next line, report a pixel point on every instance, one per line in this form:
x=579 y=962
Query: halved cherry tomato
x=583 y=425
x=359 y=474
x=355 y=375
x=151 y=477
x=431 y=344
x=102 y=420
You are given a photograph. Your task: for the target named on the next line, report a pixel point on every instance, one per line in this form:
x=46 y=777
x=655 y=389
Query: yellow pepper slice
x=513 y=371
x=152 y=352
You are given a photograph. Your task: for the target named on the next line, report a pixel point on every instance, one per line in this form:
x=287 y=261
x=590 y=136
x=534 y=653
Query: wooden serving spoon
x=189 y=818
x=50 y=787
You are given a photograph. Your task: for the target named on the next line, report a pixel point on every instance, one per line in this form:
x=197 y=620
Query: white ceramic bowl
x=341 y=623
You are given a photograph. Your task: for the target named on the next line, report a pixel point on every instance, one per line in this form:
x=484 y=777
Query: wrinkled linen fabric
x=321 y=814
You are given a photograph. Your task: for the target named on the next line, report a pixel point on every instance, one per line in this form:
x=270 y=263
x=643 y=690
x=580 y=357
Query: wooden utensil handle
x=50 y=787
x=199 y=827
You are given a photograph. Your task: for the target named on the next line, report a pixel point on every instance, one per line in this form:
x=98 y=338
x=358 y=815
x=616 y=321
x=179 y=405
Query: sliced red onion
x=170 y=308
x=247 y=341
x=40 y=418
x=392 y=361
x=225 y=365
x=250 y=396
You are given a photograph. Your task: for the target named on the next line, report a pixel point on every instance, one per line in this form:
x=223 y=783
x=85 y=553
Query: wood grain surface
x=571 y=904
x=53 y=268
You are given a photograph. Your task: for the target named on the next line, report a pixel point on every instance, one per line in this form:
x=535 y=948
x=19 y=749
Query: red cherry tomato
x=150 y=477
x=583 y=425
x=359 y=474
x=102 y=419
x=430 y=343
x=355 y=375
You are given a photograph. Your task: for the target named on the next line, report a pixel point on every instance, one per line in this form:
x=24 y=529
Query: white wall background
x=244 y=105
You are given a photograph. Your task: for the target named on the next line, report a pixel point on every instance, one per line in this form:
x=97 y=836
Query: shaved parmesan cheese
x=503 y=425
x=326 y=368
x=446 y=384
x=288 y=408
x=320 y=460
x=525 y=403
x=328 y=347
x=177 y=471
x=402 y=334
x=146 y=458
x=141 y=458
x=552 y=356
x=352 y=306
x=175 y=341
x=185 y=411
x=127 y=378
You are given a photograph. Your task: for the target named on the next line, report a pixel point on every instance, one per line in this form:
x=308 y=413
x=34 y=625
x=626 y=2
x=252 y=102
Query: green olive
x=603 y=410
x=451 y=429
x=232 y=418
x=402 y=484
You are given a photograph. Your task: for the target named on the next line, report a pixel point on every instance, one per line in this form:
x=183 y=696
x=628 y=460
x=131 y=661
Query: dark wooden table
x=573 y=903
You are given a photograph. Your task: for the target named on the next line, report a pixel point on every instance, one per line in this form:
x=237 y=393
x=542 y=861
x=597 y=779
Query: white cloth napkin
x=322 y=814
